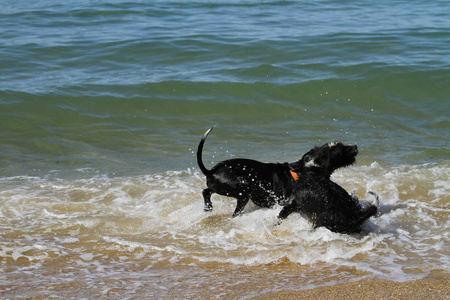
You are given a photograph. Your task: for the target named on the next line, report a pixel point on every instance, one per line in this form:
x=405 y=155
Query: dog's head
x=341 y=155
x=329 y=157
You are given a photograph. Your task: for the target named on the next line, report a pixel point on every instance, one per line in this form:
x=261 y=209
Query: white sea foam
x=160 y=218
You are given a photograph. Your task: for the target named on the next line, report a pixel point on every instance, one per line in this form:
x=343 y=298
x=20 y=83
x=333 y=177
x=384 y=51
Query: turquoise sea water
x=102 y=105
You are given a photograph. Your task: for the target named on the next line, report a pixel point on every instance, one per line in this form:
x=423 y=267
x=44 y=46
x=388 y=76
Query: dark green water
x=131 y=86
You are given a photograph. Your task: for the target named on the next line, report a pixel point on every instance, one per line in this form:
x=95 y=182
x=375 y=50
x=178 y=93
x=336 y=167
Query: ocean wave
x=161 y=217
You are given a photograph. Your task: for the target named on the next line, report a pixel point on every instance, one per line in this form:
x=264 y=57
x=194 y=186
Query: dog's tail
x=199 y=153
x=377 y=198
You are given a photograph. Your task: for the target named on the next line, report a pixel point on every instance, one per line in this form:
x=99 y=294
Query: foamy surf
x=164 y=212
x=160 y=218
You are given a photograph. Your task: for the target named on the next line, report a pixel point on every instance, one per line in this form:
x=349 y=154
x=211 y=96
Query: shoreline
x=434 y=286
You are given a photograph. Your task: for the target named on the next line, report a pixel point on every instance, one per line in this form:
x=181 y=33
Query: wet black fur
x=266 y=184
x=322 y=201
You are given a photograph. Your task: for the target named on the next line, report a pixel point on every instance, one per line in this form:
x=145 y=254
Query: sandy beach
x=435 y=286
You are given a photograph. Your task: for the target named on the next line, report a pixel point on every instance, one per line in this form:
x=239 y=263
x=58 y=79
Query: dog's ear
x=295 y=166
x=318 y=157
x=308 y=160
x=323 y=158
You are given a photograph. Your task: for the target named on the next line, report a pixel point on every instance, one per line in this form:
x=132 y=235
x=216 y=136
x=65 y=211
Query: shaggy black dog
x=266 y=184
x=322 y=201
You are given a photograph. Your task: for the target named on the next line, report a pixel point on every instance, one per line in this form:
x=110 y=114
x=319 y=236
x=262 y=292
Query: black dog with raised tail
x=266 y=184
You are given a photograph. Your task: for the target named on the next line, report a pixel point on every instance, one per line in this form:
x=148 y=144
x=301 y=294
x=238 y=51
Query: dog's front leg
x=286 y=211
x=241 y=203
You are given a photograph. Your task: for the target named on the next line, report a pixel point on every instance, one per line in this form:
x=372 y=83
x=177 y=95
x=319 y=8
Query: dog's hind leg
x=354 y=224
x=241 y=203
x=207 y=197
x=367 y=213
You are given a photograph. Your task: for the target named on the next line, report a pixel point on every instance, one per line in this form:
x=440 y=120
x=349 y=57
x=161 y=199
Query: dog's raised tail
x=199 y=153
x=377 y=198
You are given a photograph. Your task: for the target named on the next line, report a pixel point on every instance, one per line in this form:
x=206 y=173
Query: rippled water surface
x=102 y=106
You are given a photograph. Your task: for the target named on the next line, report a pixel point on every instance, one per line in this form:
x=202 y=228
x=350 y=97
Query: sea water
x=102 y=106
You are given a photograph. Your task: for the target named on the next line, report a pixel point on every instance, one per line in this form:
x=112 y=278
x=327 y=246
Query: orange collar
x=294 y=175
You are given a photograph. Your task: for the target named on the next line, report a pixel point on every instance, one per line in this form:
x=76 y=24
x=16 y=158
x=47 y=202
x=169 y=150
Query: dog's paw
x=208 y=207
x=277 y=223
x=237 y=214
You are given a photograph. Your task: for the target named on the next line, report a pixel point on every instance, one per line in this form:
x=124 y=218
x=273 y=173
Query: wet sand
x=435 y=286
